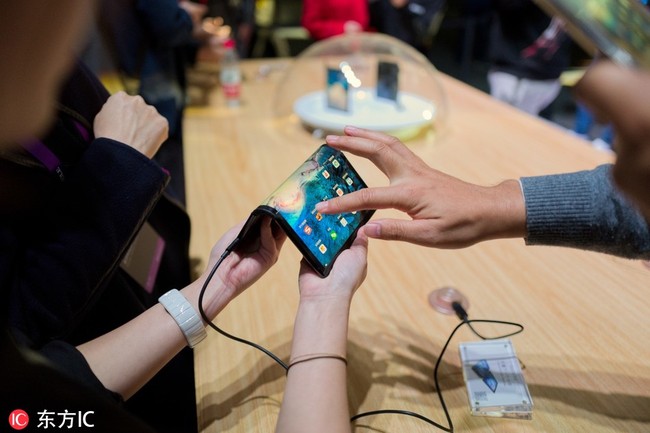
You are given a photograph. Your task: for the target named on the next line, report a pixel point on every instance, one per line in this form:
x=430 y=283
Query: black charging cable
x=463 y=316
x=211 y=324
x=458 y=309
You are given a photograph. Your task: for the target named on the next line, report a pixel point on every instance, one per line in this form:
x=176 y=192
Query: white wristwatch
x=188 y=320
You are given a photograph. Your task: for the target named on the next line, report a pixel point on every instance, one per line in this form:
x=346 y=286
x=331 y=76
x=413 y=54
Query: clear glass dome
x=368 y=80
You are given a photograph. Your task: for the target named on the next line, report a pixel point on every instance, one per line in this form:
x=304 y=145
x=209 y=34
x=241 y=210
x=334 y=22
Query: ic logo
x=18 y=419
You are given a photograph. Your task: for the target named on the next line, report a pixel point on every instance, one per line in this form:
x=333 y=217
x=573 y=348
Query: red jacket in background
x=326 y=18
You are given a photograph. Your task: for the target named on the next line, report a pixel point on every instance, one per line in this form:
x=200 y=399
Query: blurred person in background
x=239 y=15
x=326 y=18
x=528 y=52
x=153 y=42
x=414 y=22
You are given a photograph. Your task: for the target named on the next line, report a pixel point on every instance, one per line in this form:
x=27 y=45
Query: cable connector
x=460 y=311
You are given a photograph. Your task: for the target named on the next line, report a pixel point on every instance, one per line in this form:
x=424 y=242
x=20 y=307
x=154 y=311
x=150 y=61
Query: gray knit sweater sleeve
x=584 y=210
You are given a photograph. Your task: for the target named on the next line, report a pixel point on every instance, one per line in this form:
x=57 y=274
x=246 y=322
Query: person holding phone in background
x=606 y=209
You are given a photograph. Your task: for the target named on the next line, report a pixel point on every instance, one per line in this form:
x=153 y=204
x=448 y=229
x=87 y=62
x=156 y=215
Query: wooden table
x=586 y=344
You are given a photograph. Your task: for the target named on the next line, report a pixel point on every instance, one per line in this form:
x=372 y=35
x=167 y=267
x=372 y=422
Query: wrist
x=321 y=303
x=505 y=216
x=215 y=298
x=321 y=327
x=185 y=315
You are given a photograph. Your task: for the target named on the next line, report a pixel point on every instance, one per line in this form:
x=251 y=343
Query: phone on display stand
x=338 y=90
x=387 y=80
x=620 y=29
x=320 y=238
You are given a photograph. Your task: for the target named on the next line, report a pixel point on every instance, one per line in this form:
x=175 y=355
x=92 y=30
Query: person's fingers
x=368 y=198
x=271 y=241
x=306 y=271
x=278 y=234
x=386 y=152
x=360 y=243
x=619 y=95
x=413 y=231
x=392 y=142
x=351 y=266
x=378 y=153
x=266 y=234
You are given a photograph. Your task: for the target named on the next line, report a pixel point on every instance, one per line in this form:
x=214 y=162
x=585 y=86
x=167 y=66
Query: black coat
x=63 y=243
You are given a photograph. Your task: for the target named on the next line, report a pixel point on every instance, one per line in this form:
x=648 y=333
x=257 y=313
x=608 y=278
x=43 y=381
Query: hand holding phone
x=320 y=238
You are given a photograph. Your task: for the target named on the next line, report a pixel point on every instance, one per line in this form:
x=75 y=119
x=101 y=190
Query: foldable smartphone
x=320 y=238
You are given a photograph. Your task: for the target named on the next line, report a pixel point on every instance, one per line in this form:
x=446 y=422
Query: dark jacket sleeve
x=584 y=210
x=64 y=256
x=34 y=384
x=168 y=24
x=69 y=361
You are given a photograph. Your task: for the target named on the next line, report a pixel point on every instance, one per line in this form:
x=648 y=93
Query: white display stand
x=410 y=112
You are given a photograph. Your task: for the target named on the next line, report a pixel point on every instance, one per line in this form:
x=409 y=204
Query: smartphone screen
x=320 y=238
x=387 y=80
x=338 y=90
x=620 y=29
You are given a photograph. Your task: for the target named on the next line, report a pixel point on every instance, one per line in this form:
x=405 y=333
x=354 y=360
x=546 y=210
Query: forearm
x=584 y=210
x=128 y=357
x=315 y=398
x=502 y=212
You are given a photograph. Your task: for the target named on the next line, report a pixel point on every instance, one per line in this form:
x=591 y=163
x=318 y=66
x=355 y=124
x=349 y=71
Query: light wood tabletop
x=586 y=344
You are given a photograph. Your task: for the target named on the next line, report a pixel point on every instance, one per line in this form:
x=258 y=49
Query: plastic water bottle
x=230 y=75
